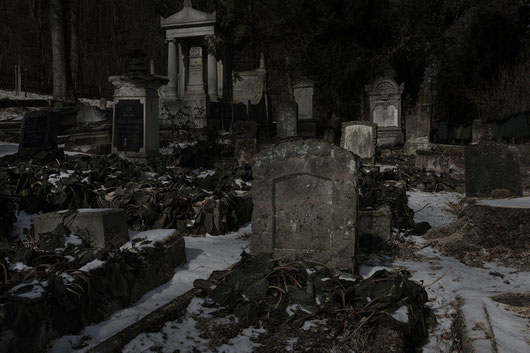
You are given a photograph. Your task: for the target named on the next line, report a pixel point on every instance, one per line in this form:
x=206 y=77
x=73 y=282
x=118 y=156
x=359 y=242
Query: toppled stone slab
x=305 y=202
x=104 y=228
x=488 y=231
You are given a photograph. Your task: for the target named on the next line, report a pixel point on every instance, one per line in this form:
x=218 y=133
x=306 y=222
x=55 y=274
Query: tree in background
x=64 y=46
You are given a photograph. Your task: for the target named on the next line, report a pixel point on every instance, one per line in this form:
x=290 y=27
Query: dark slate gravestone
x=38 y=133
x=129 y=125
x=491 y=166
x=305 y=202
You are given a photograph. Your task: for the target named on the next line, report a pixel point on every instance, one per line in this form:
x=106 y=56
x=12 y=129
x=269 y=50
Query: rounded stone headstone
x=305 y=202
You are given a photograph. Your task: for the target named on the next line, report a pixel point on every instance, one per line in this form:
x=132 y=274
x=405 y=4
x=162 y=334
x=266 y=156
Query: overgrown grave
x=282 y=296
x=57 y=283
x=52 y=278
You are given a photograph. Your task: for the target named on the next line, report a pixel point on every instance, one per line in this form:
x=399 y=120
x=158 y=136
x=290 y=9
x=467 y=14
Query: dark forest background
x=468 y=58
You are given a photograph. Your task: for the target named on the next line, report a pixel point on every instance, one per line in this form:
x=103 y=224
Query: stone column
x=182 y=69
x=172 y=68
x=212 y=76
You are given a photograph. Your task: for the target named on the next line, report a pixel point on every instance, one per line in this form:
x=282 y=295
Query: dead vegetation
x=486 y=234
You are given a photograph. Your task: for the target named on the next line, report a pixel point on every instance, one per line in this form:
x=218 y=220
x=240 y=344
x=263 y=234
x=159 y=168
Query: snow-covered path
x=205 y=255
x=446 y=278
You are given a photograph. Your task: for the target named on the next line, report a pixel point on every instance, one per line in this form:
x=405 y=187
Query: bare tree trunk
x=62 y=87
x=73 y=39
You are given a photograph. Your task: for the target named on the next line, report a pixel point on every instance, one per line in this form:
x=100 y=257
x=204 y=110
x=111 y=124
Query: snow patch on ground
x=402 y=314
x=521 y=202
x=433 y=207
x=148 y=238
x=445 y=278
x=8 y=148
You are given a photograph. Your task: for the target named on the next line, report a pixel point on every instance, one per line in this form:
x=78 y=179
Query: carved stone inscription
x=129 y=125
x=303 y=213
x=196 y=76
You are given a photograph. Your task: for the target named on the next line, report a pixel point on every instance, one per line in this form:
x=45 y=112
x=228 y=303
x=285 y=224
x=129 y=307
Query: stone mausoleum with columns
x=199 y=68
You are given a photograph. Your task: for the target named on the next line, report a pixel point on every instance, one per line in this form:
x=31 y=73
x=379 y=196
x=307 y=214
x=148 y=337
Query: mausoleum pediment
x=188 y=16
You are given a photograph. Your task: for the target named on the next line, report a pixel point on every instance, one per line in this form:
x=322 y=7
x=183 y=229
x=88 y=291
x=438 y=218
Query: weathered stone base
x=175 y=112
x=96 y=141
x=104 y=228
x=387 y=136
x=156 y=161
x=443 y=159
x=412 y=146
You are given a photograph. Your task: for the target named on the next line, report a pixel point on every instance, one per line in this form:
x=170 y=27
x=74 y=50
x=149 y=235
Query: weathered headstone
x=286 y=119
x=418 y=130
x=305 y=202
x=303 y=90
x=360 y=137
x=135 y=128
x=384 y=97
x=38 y=133
x=196 y=81
x=104 y=228
x=245 y=150
x=490 y=166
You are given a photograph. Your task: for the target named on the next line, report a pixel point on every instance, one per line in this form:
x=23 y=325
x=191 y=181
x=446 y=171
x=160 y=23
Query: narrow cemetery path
x=488 y=324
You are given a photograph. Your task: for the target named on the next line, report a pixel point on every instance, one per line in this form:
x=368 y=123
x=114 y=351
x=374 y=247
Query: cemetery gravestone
x=384 y=97
x=286 y=121
x=303 y=90
x=135 y=126
x=490 y=166
x=129 y=125
x=305 y=202
x=38 y=132
x=360 y=138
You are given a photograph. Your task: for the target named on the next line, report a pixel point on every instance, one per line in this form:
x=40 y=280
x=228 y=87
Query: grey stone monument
x=305 y=202
x=490 y=166
x=418 y=130
x=303 y=90
x=135 y=126
x=360 y=137
x=286 y=119
x=199 y=66
x=384 y=97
